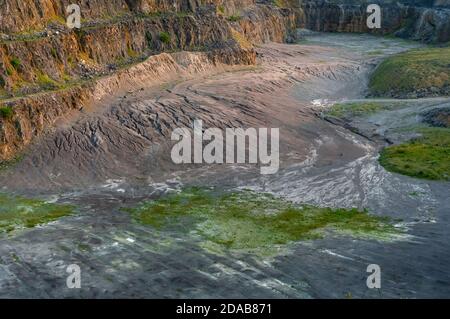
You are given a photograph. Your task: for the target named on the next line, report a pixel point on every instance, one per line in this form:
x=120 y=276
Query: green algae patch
x=18 y=212
x=426 y=69
x=246 y=220
x=426 y=157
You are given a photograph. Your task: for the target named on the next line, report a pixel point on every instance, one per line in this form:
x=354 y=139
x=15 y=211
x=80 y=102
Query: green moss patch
x=18 y=212
x=165 y=37
x=425 y=157
x=6 y=112
x=246 y=220
x=234 y=18
x=16 y=63
x=412 y=71
x=46 y=82
x=343 y=110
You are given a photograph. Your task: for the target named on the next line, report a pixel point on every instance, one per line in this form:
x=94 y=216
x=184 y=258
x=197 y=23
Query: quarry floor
x=116 y=155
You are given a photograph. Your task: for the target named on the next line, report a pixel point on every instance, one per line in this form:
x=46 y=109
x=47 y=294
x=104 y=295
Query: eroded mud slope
x=131 y=137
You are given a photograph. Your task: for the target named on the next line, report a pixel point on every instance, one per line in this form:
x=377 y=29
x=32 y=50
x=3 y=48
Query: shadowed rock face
x=419 y=3
x=438 y=117
x=418 y=20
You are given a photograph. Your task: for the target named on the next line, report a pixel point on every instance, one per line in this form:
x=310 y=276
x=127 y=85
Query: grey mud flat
x=322 y=164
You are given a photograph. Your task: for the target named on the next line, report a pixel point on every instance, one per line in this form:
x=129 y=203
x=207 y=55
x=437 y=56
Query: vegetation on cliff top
x=246 y=220
x=421 y=71
x=18 y=212
x=425 y=157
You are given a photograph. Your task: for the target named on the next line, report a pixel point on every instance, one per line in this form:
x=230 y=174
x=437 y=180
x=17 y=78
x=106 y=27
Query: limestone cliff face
x=27 y=15
x=57 y=60
x=48 y=71
x=57 y=57
x=427 y=21
x=427 y=25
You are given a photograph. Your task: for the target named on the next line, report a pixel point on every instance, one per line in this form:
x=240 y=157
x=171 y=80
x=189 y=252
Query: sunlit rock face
x=39 y=13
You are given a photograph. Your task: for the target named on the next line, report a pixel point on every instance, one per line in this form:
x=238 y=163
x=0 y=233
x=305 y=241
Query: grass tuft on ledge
x=426 y=157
